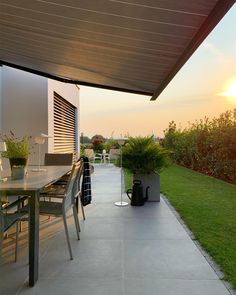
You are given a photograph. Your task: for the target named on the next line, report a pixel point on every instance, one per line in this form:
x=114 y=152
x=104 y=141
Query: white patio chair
x=105 y=156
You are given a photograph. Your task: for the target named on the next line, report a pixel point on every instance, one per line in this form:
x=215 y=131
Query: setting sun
x=231 y=90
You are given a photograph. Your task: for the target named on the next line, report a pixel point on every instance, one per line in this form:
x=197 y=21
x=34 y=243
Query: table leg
x=33 y=238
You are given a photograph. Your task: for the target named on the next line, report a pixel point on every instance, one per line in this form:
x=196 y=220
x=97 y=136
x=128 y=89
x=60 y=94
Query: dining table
x=34 y=180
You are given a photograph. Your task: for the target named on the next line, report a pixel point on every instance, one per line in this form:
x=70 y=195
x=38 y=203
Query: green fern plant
x=142 y=155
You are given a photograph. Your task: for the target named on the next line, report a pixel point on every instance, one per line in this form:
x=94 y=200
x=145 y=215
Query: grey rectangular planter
x=17 y=172
x=153 y=182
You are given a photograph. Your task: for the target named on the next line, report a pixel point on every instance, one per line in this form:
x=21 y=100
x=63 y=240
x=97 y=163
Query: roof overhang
x=136 y=46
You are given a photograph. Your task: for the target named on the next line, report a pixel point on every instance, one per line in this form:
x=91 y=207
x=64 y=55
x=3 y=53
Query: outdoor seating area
x=103 y=157
x=122 y=251
x=117 y=158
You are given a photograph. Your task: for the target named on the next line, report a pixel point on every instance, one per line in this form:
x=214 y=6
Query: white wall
x=24 y=105
x=69 y=92
x=27 y=106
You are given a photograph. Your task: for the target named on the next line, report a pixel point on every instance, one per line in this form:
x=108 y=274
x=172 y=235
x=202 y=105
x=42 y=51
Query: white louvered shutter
x=64 y=125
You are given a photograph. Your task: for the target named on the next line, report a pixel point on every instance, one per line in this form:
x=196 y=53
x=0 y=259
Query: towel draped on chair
x=86 y=194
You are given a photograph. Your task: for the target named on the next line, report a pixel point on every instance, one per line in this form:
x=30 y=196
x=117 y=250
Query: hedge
x=208 y=146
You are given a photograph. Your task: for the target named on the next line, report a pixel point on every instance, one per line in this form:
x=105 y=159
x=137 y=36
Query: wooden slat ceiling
x=130 y=45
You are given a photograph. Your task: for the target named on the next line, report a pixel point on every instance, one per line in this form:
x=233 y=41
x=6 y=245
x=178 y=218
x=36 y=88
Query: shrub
x=141 y=155
x=208 y=146
x=98 y=145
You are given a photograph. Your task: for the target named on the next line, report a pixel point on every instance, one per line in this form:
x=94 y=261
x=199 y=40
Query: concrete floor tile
x=94 y=259
x=174 y=287
x=102 y=228
x=165 y=259
x=143 y=229
x=150 y=210
x=75 y=286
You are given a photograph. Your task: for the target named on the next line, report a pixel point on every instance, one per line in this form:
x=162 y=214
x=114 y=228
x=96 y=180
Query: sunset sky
x=205 y=86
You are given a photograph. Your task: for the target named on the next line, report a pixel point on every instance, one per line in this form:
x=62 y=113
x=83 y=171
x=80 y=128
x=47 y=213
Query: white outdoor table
x=30 y=186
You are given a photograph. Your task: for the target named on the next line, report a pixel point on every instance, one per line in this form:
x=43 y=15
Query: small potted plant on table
x=17 y=151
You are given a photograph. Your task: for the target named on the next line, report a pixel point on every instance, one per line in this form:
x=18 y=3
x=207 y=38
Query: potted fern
x=145 y=159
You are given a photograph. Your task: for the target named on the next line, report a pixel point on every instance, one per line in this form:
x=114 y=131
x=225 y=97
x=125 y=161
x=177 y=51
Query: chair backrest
x=58 y=159
x=73 y=184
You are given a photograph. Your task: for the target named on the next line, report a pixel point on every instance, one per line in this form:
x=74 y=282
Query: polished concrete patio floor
x=122 y=251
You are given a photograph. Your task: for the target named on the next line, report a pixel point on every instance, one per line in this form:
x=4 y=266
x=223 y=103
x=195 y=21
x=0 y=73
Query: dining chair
x=11 y=214
x=97 y=156
x=106 y=156
x=58 y=159
x=62 y=199
x=92 y=156
x=55 y=159
x=81 y=186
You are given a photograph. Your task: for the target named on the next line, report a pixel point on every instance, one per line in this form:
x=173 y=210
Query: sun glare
x=231 y=90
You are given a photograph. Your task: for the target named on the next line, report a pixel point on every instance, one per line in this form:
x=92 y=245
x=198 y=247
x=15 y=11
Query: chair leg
x=49 y=217
x=17 y=238
x=77 y=208
x=21 y=226
x=77 y=204
x=78 y=219
x=77 y=225
x=82 y=208
x=67 y=235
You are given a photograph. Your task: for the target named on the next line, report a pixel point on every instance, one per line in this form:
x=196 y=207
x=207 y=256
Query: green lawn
x=208 y=207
